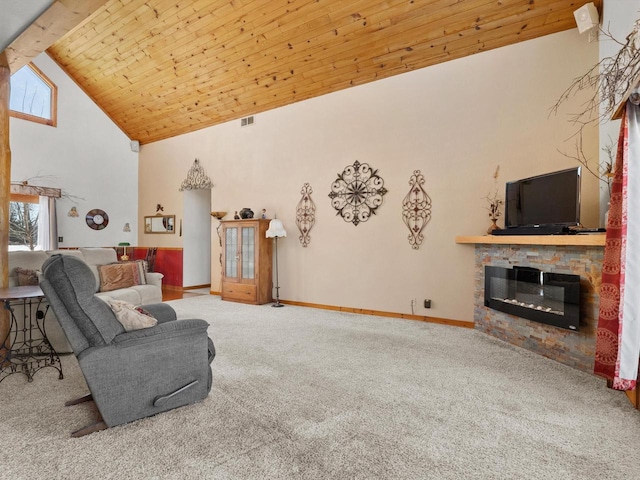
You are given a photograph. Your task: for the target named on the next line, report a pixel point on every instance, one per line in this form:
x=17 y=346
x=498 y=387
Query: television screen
x=550 y=199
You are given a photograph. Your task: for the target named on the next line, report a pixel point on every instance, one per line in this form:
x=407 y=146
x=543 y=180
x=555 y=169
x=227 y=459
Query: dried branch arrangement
x=493 y=200
x=604 y=172
x=610 y=80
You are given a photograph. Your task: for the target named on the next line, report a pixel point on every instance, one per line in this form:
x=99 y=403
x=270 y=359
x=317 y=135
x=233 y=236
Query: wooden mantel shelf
x=596 y=240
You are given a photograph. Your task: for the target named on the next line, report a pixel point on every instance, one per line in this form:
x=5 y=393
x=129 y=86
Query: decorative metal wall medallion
x=416 y=210
x=357 y=193
x=305 y=214
x=196 y=179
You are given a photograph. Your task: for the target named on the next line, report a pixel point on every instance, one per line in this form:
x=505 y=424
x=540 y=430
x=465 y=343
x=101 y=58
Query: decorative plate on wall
x=97 y=219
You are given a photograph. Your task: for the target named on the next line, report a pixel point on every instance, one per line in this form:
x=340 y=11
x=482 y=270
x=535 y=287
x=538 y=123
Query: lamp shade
x=276 y=229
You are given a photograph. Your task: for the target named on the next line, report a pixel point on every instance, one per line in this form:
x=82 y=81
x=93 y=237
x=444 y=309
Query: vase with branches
x=494 y=203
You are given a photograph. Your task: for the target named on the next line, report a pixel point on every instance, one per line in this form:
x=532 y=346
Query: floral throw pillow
x=130 y=316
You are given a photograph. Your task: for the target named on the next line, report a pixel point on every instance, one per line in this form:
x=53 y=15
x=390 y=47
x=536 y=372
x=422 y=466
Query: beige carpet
x=309 y=394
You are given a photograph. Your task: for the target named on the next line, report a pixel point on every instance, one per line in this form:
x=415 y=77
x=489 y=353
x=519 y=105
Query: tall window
x=33 y=96
x=23 y=222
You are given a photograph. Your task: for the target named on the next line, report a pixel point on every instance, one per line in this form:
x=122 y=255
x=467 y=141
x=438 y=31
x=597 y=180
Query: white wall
x=619 y=17
x=87 y=156
x=196 y=233
x=455 y=122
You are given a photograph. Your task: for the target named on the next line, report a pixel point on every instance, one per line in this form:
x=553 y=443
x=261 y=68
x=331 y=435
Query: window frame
x=53 y=122
x=31 y=199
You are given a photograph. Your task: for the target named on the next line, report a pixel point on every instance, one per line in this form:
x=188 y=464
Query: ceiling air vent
x=246 y=121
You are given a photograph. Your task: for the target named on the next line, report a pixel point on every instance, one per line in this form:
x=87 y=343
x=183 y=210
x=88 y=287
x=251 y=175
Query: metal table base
x=26 y=348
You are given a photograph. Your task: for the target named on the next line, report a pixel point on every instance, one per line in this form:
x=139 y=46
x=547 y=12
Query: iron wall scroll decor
x=305 y=214
x=416 y=210
x=357 y=193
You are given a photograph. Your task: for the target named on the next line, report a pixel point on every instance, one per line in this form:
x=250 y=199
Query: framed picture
x=160 y=224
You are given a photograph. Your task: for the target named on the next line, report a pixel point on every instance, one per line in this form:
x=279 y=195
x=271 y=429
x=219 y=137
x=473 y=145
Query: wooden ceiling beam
x=58 y=20
x=5 y=176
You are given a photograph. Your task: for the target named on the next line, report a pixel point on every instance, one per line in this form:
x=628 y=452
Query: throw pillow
x=26 y=277
x=130 y=316
x=118 y=275
x=142 y=271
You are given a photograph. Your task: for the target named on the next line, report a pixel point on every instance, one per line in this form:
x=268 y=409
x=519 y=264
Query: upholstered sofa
x=144 y=294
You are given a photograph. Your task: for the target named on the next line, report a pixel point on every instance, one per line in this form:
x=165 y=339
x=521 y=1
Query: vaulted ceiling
x=160 y=68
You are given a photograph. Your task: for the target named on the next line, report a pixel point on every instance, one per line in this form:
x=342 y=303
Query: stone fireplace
x=578 y=255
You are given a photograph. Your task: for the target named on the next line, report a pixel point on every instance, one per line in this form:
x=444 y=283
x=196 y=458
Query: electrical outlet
x=427 y=303
x=60 y=239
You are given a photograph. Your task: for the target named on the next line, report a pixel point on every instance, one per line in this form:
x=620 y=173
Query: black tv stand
x=541 y=230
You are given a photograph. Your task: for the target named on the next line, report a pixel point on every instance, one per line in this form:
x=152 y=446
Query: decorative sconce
x=218 y=215
x=196 y=178
x=73 y=212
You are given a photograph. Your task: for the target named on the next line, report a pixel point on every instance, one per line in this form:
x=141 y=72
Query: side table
x=26 y=347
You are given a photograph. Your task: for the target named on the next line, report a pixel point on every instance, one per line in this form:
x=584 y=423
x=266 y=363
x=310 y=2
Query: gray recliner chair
x=133 y=374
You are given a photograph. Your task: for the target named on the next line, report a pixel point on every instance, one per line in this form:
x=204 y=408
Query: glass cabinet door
x=248 y=252
x=231 y=252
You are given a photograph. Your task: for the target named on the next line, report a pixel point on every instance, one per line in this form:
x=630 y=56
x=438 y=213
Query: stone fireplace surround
x=584 y=258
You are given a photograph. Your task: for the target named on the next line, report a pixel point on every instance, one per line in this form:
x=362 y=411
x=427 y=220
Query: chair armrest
x=154 y=278
x=161 y=311
x=137 y=368
x=161 y=332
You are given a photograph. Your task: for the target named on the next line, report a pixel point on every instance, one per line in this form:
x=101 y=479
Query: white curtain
x=47 y=224
x=630 y=289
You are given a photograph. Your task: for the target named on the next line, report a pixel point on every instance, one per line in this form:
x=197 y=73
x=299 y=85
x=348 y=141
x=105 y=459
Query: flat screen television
x=548 y=203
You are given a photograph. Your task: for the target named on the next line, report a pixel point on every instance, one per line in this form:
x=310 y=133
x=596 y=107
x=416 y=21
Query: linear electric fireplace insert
x=551 y=298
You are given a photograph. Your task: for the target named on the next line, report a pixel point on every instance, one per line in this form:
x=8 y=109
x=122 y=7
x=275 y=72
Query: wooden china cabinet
x=246 y=261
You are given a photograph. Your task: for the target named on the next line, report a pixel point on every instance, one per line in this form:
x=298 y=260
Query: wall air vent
x=244 y=122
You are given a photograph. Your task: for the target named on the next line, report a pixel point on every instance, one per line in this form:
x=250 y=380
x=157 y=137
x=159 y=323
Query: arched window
x=33 y=96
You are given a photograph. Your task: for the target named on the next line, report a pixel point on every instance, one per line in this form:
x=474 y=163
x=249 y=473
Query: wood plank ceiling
x=161 y=68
